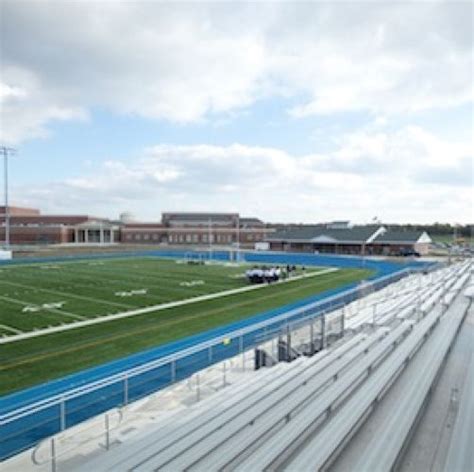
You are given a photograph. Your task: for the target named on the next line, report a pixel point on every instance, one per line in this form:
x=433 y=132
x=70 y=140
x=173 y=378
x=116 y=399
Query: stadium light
x=6 y=151
x=238 y=238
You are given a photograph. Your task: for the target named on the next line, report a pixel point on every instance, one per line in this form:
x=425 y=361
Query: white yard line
x=150 y=309
x=9 y=328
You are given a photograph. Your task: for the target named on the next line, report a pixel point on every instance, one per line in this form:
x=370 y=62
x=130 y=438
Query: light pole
x=6 y=151
x=238 y=238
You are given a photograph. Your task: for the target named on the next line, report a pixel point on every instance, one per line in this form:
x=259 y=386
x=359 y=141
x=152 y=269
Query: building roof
x=410 y=237
x=47 y=220
x=323 y=234
x=193 y=216
x=19 y=211
x=357 y=234
x=251 y=221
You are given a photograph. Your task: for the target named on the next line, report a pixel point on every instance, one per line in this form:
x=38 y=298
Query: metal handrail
x=53 y=456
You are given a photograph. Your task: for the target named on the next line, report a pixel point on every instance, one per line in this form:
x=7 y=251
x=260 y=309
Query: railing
x=23 y=427
x=49 y=448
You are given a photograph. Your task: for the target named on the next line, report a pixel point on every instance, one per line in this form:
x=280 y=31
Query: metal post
x=343 y=321
x=288 y=343
x=125 y=390
x=173 y=371
x=62 y=419
x=311 y=336
x=198 y=388
x=107 y=432
x=241 y=349
x=53 y=455
x=224 y=383
x=323 y=331
x=7 y=209
x=238 y=238
x=6 y=151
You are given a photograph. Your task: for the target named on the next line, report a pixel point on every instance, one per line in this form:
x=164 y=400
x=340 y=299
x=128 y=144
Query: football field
x=38 y=296
x=135 y=304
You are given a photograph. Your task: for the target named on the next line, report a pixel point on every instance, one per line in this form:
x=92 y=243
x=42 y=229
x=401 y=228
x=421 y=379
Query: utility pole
x=238 y=238
x=6 y=151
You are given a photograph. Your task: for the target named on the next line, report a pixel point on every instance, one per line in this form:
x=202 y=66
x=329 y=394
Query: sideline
x=154 y=308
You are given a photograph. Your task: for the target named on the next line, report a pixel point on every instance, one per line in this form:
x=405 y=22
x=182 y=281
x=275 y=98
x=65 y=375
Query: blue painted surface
x=26 y=432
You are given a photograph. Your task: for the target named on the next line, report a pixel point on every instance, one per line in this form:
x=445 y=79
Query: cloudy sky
x=301 y=112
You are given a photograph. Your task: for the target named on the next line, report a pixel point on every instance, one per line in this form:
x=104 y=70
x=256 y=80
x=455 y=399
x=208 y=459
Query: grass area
x=42 y=295
x=28 y=362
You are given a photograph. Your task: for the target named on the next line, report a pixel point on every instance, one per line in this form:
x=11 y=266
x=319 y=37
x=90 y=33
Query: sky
x=287 y=111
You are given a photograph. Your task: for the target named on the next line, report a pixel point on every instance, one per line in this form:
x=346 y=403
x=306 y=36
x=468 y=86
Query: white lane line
x=155 y=308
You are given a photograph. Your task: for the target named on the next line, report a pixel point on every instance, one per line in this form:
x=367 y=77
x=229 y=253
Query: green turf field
x=102 y=287
x=41 y=295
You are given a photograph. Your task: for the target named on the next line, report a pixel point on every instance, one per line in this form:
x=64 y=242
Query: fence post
x=125 y=390
x=343 y=320
x=224 y=383
x=241 y=349
x=288 y=343
x=323 y=331
x=62 y=418
x=53 y=454
x=198 y=387
x=173 y=371
x=107 y=432
x=311 y=336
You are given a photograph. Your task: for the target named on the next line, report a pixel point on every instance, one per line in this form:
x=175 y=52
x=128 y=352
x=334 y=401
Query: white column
x=101 y=233
x=76 y=235
x=86 y=235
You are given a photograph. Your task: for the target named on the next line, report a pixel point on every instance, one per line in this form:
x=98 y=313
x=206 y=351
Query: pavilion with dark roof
x=346 y=239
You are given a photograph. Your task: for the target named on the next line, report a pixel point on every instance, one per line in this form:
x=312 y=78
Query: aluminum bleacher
x=299 y=415
x=460 y=455
x=389 y=438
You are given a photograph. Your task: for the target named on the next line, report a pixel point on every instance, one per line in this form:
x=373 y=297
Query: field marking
x=32 y=308
x=150 y=278
x=137 y=330
x=192 y=283
x=155 y=308
x=76 y=261
x=147 y=276
x=131 y=293
x=52 y=310
x=9 y=328
x=65 y=294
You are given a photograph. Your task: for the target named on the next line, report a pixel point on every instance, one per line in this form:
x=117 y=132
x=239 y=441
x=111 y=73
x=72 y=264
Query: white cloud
x=190 y=62
x=409 y=181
